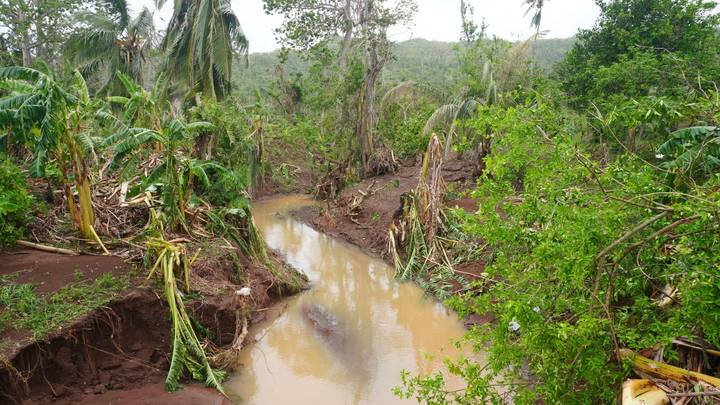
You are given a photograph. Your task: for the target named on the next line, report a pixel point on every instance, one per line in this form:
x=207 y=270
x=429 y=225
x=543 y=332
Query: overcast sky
x=436 y=19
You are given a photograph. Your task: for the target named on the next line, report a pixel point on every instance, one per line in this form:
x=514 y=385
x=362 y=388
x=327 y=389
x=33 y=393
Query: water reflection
x=346 y=340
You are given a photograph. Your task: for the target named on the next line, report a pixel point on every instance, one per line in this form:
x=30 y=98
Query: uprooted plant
x=188 y=354
x=419 y=227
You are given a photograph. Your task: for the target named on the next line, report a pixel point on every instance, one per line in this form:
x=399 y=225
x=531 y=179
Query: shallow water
x=347 y=339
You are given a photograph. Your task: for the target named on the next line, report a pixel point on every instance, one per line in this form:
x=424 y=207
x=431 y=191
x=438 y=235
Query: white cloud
x=436 y=19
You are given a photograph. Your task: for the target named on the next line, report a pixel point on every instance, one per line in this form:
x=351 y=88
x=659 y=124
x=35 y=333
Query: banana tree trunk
x=67 y=189
x=87 y=214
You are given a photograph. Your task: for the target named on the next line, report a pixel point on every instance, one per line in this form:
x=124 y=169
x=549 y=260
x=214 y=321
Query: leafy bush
x=691 y=153
x=566 y=290
x=641 y=47
x=403 y=129
x=14 y=202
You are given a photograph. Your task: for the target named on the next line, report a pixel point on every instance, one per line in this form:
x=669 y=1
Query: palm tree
x=537 y=6
x=487 y=89
x=202 y=38
x=111 y=41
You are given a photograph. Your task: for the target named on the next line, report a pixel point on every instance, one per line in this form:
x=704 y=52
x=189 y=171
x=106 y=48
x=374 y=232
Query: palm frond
x=443 y=116
x=20 y=73
x=397 y=92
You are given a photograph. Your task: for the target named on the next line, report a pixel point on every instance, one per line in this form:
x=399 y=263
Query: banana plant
x=691 y=154
x=60 y=121
x=142 y=108
x=176 y=172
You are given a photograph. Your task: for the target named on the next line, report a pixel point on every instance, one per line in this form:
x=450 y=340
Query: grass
x=23 y=308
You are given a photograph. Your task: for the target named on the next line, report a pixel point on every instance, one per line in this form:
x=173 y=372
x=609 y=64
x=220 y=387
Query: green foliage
x=642 y=47
x=111 y=41
x=564 y=296
x=23 y=308
x=14 y=202
x=175 y=172
x=59 y=118
x=691 y=153
x=402 y=127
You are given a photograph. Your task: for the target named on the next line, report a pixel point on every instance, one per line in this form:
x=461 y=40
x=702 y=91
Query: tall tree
x=202 y=38
x=361 y=26
x=111 y=41
x=38 y=28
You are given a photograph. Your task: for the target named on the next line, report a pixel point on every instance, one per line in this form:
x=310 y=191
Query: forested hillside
x=419 y=60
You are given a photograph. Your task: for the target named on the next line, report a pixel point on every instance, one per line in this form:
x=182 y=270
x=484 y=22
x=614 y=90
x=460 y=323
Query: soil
x=368 y=229
x=119 y=354
x=50 y=272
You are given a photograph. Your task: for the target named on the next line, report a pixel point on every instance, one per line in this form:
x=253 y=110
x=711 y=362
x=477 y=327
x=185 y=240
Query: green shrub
x=14 y=202
x=402 y=128
x=547 y=211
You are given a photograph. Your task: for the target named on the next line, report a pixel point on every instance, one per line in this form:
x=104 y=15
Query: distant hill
x=431 y=62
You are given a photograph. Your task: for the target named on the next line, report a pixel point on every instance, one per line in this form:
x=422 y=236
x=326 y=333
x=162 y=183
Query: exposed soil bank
x=120 y=353
x=368 y=228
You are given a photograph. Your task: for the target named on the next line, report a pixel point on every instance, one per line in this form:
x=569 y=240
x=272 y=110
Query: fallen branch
x=602 y=256
x=665 y=371
x=694 y=394
x=696 y=346
x=46 y=248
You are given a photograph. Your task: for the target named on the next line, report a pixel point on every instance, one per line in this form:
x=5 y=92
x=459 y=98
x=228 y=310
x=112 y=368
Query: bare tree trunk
x=347 y=37
x=25 y=40
x=204 y=144
x=42 y=45
x=375 y=58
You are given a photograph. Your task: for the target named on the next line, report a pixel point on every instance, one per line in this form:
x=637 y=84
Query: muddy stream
x=347 y=339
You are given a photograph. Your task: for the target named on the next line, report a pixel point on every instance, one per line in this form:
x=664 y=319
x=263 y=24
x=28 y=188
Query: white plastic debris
x=245 y=292
x=514 y=325
x=537 y=310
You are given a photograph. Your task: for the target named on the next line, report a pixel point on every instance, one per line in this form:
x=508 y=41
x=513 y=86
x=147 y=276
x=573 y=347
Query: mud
x=368 y=229
x=50 y=272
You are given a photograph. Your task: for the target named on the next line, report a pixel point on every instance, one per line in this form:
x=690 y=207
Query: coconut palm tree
x=111 y=41
x=202 y=38
x=536 y=7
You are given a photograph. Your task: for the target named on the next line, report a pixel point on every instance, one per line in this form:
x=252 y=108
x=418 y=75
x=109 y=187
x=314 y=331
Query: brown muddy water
x=347 y=339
